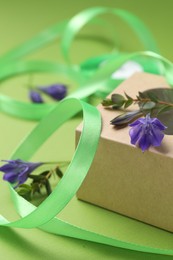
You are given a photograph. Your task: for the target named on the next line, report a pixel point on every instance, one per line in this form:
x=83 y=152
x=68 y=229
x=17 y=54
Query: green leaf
x=153 y=97
x=35 y=177
x=128 y=103
x=141 y=95
x=164 y=114
x=24 y=190
x=43 y=174
x=117 y=106
x=138 y=97
x=162 y=94
x=163 y=108
x=58 y=172
x=118 y=100
x=150 y=95
x=24 y=186
x=107 y=102
x=167 y=119
x=127 y=96
x=48 y=187
x=147 y=105
x=35 y=187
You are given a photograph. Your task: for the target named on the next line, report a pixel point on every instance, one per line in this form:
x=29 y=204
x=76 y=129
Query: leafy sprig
x=157 y=102
x=17 y=172
x=145 y=102
x=39 y=181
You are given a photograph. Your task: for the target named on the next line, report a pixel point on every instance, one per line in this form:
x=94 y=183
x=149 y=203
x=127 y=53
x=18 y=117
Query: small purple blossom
x=35 y=97
x=146 y=132
x=17 y=171
x=56 y=91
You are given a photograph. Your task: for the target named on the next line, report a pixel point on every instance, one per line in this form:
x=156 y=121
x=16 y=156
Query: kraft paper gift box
x=122 y=178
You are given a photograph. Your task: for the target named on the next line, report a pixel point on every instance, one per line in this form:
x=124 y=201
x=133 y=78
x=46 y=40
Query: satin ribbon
x=66 y=31
x=100 y=80
x=35 y=217
x=32 y=216
x=81 y=19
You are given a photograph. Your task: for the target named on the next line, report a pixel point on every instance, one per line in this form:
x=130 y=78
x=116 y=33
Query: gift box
x=124 y=179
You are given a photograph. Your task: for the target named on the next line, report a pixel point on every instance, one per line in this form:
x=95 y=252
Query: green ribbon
x=90 y=78
x=81 y=19
x=66 y=31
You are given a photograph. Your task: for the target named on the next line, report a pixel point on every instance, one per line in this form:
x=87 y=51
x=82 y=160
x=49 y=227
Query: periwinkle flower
x=35 y=96
x=146 y=132
x=56 y=91
x=17 y=171
x=125 y=118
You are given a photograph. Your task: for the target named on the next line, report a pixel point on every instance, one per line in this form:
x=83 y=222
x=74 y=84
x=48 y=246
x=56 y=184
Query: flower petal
x=35 y=97
x=17 y=171
x=10 y=177
x=56 y=91
x=157 y=123
x=7 y=168
x=135 y=133
x=12 y=171
x=32 y=166
x=22 y=177
x=135 y=123
x=157 y=137
x=144 y=142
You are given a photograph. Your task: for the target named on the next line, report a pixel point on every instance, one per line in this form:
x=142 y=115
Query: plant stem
x=158 y=102
x=109 y=102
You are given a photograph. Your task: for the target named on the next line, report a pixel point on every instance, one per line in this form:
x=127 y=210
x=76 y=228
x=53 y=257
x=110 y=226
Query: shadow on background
x=24 y=246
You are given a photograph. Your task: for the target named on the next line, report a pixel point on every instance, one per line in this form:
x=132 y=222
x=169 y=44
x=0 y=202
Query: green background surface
x=19 y=21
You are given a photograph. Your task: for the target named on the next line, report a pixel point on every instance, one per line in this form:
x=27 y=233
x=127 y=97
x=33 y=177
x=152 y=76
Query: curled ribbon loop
x=66 y=31
x=88 y=143
x=81 y=19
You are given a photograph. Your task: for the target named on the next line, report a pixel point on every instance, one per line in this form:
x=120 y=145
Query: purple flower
x=17 y=171
x=35 y=97
x=125 y=118
x=147 y=132
x=56 y=91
